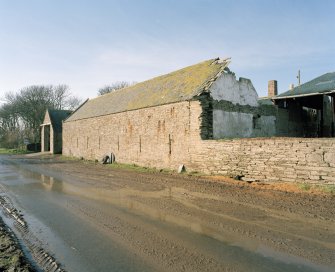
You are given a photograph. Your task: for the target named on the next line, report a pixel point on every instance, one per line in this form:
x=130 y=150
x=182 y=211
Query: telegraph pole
x=298 y=77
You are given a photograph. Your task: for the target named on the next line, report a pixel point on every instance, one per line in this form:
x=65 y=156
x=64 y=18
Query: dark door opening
x=47 y=138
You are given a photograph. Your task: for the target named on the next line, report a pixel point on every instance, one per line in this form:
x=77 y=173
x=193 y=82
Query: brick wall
x=169 y=135
x=272 y=88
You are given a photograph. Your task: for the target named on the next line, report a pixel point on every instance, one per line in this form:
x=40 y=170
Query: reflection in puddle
x=125 y=198
x=50 y=184
x=132 y=200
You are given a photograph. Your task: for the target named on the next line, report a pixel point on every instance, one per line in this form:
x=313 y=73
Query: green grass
x=325 y=188
x=115 y=165
x=13 y=151
x=328 y=188
x=69 y=158
x=305 y=186
x=137 y=168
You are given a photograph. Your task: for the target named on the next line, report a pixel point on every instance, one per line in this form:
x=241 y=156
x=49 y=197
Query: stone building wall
x=47 y=134
x=52 y=139
x=43 y=145
x=170 y=135
x=157 y=137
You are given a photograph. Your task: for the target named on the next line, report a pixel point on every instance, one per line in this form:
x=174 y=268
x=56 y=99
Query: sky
x=88 y=44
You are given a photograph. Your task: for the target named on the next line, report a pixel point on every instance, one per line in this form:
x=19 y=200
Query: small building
x=51 y=130
x=307 y=110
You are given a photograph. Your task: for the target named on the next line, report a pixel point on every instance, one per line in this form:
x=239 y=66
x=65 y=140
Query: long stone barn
x=201 y=117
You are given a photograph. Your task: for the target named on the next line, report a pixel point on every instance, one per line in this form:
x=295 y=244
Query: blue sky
x=87 y=44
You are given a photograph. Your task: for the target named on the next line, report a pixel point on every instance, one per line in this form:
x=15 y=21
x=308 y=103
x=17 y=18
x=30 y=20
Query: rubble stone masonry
x=309 y=160
x=156 y=137
x=169 y=135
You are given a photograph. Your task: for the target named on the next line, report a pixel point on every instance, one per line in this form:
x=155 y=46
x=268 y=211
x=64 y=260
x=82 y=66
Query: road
x=91 y=217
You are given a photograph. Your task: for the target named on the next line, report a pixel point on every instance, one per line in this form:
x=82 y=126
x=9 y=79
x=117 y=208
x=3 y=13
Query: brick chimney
x=272 y=88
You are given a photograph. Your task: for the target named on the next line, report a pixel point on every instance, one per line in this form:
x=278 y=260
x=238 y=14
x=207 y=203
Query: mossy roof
x=181 y=85
x=318 y=86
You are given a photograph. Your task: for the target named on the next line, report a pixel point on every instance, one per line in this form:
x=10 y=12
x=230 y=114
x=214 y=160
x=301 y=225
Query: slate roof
x=321 y=85
x=181 y=85
x=56 y=117
x=265 y=101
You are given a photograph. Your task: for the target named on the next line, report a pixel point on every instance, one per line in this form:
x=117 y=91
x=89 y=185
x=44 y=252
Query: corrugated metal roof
x=57 y=116
x=181 y=85
x=320 y=85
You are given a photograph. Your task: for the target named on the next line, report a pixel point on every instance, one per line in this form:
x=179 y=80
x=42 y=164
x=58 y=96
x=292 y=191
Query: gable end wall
x=236 y=111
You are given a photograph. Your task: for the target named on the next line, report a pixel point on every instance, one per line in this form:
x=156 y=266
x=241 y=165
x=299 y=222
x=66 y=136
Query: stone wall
x=268 y=159
x=156 y=137
x=170 y=135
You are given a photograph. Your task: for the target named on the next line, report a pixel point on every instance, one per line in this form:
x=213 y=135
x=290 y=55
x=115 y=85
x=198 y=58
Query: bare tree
x=9 y=125
x=62 y=98
x=24 y=111
x=114 y=86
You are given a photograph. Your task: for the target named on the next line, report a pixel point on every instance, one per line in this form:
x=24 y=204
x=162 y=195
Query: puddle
x=42 y=197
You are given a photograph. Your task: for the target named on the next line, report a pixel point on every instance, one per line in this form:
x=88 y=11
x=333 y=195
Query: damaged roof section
x=181 y=85
x=324 y=84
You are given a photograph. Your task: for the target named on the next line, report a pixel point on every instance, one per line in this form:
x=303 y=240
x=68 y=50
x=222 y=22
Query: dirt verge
x=11 y=255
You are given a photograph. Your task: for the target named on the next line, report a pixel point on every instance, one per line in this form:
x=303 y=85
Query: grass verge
x=137 y=168
x=7 y=151
x=323 y=188
x=116 y=165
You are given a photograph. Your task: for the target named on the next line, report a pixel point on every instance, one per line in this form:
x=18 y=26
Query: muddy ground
x=11 y=254
x=282 y=221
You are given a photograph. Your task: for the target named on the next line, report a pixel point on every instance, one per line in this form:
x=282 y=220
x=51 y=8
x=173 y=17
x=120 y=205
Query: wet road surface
x=114 y=225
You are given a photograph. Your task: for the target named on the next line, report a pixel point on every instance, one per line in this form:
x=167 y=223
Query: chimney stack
x=291 y=86
x=272 y=88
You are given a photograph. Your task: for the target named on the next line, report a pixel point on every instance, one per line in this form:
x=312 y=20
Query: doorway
x=47 y=138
